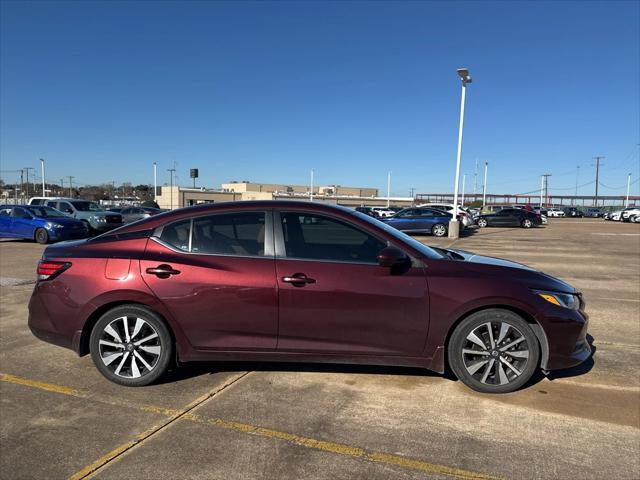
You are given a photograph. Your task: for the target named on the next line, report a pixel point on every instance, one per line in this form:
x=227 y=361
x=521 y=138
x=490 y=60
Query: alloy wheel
x=495 y=353
x=129 y=347
x=439 y=230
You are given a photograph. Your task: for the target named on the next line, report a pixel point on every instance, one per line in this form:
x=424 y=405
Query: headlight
x=100 y=219
x=565 y=300
x=53 y=225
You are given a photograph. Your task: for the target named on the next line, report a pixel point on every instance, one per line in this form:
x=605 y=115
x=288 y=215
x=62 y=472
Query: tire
x=439 y=230
x=488 y=371
x=41 y=236
x=482 y=223
x=89 y=228
x=526 y=223
x=131 y=362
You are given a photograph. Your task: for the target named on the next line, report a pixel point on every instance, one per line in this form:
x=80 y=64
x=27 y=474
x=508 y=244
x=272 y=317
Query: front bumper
x=74 y=233
x=568 y=344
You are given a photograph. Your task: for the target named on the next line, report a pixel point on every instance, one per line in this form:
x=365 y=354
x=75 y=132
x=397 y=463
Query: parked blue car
x=420 y=220
x=39 y=223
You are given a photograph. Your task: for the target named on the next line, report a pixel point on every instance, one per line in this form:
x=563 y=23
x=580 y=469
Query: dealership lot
x=61 y=419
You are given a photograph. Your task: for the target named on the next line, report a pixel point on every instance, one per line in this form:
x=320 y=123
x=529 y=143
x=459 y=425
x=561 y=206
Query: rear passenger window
x=177 y=234
x=229 y=234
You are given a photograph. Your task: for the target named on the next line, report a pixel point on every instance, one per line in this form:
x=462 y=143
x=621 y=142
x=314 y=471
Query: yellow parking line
x=4 y=377
x=307 y=442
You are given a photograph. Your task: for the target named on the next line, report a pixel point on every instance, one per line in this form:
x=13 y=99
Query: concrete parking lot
x=59 y=418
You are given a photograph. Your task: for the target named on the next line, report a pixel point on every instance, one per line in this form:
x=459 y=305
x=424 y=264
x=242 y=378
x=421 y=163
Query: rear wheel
x=42 y=236
x=439 y=230
x=482 y=223
x=131 y=345
x=526 y=223
x=494 y=351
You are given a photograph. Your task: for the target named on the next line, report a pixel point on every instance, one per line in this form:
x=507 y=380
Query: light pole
x=454 y=226
x=541 y=189
x=626 y=203
x=311 y=189
x=44 y=192
x=155 y=181
x=576 y=192
x=484 y=186
x=388 y=188
x=464 y=177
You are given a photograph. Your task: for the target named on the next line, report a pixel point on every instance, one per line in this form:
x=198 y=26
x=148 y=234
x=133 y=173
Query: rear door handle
x=163 y=271
x=298 y=280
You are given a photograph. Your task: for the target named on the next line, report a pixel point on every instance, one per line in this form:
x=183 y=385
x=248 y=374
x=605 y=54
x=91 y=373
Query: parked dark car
x=255 y=281
x=573 y=212
x=39 y=223
x=593 y=212
x=420 y=220
x=510 y=217
x=133 y=214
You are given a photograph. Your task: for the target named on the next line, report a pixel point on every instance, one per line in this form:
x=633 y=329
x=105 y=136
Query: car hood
x=518 y=271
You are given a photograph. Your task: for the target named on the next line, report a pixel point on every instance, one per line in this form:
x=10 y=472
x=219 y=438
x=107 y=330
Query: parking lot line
x=185 y=413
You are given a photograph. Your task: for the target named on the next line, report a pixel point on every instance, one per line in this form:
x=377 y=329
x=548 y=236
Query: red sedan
x=300 y=281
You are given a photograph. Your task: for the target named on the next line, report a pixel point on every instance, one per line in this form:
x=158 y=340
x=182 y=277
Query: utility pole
x=626 y=203
x=171 y=172
x=577 y=175
x=71 y=177
x=546 y=188
x=484 y=187
x=22 y=183
x=311 y=189
x=26 y=169
x=464 y=178
x=541 y=189
x=61 y=186
x=388 y=188
x=155 y=181
x=412 y=192
x=597 y=159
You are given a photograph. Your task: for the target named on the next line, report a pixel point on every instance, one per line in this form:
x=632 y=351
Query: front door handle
x=298 y=280
x=163 y=271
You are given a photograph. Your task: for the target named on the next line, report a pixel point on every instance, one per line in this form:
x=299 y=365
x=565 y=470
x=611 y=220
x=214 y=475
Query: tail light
x=48 y=269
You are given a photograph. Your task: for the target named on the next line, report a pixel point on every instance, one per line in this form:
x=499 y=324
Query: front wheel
x=439 y=230
x=42 y=236
x=482 y=223
x=526 y=223
x=494 y=351
x=131 y=345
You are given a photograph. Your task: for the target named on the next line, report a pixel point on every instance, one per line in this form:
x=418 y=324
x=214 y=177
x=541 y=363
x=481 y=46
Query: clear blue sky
x=266 y=91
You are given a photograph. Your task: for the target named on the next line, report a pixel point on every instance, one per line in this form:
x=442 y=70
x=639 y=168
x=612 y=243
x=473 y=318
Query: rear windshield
x=46 y=212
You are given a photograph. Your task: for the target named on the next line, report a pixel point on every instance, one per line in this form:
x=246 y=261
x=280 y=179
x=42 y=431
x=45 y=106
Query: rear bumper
x=42 y=326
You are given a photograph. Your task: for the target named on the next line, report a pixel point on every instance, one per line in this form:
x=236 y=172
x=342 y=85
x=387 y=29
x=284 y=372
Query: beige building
x=279 y=188
x=178 y=197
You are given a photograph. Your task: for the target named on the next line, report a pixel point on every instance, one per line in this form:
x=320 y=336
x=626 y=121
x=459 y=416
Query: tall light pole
x=484 y=186
x=44 y=192
x=311 y=189
x=171 y=172
x=155 y=181
x=454 y=226
x=626 y=203
x=541 y=189
x=388 y=189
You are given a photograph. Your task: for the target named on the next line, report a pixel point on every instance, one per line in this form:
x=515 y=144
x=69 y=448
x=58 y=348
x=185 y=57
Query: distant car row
x=48 y=220
x=631 y=214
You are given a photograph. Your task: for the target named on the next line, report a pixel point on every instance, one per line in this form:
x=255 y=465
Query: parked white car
x=467 y=218
x=555 y=212
x=615 y=216
x=628 y=214
x=382 y=212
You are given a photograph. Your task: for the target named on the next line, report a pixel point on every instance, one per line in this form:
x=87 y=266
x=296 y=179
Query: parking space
x=62 y=419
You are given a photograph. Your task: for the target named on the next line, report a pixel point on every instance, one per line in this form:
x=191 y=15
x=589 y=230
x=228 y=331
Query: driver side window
x=316 y=237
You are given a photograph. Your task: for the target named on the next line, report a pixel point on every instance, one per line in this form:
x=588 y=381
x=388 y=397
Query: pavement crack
x=90 y=470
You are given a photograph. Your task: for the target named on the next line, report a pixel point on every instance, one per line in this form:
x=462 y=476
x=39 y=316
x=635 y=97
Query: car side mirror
x=393 y=257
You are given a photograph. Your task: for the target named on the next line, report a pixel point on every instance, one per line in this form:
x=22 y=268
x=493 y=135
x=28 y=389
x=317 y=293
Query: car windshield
x=46 y=212
x=84 y=206
x=403 y=237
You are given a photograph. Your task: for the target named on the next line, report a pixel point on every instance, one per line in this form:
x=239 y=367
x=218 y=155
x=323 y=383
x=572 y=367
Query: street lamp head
x=463 y=73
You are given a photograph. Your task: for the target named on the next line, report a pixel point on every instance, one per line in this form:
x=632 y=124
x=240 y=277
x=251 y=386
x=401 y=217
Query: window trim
x=281 y=251
x=269 y=251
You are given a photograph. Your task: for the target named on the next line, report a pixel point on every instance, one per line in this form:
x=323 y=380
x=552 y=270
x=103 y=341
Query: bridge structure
x=551 y=200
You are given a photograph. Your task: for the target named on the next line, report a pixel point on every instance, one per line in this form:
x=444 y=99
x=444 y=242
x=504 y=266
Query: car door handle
x=298 y=279
x=163 y=271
